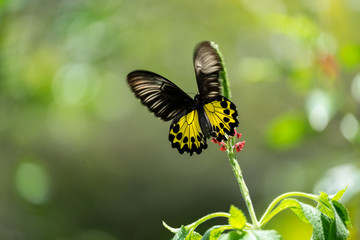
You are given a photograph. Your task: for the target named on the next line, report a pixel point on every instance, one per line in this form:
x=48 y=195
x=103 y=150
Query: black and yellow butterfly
x=209 y=114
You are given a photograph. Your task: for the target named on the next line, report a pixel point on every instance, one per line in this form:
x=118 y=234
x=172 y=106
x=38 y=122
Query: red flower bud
x=239 y=146
x=223 y=147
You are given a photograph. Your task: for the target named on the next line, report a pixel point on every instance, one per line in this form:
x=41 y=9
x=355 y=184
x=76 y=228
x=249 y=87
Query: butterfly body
x=209 y=114
x=204 y=122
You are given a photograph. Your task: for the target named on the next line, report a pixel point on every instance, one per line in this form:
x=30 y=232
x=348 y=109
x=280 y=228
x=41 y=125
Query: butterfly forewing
x=185 y=133
x=207 y=64
x=161 y=96
x=222 y=115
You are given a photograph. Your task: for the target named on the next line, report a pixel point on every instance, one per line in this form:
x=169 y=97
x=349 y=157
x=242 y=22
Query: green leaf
x=237 y=218
x=214 y=232
x=343 y=213
x=303 y=211
x=325 y=205
x=339 y=229
x=262 y=235
x=319 y=221
x=233 y=235
x=324 y=196
x=251 y=235
x=193 y=236
x=324 y=227
x=287 y=203
x=338 y=195
x=181 y=234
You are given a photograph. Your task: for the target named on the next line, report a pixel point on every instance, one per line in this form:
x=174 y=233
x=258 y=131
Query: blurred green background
x=81 y=158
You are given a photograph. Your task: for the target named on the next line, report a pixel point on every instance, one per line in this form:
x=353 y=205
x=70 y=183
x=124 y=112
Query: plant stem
x=230 y=147
x=223 y=74
x=207 y=217
x=243 y=188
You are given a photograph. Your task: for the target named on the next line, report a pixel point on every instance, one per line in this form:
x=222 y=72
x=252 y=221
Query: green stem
x=230 y=146
x=207 y=217
x=223 y=74
x=283 y=196
x=194 y=225
x=243 y=188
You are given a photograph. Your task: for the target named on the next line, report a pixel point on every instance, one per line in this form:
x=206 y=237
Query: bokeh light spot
x=349 y=126
x=111 y=102
x=355 y=87
x=32 y=182
x=338 y=178
x=286 y=131
x=286 y=49
x=350 y=54
x=327 y=43
x=318 y=106
x=75 y=84
x=266 y=70
x=84 y=38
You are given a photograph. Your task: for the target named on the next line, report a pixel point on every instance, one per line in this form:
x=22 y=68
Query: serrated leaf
x=233 y=235
x=339 y=230
x=324 y=227
x=193 y=236
x=284 y=204
x=261 y=235
x=319 y=221
x=341 y=222
x=338 y=195
x=215 y=233
x=181 y=234
x=324 y=196
x=343 y=213
x=251 y=235
x=329 y=220
x=237 y=218
x=207 y=234
x=324 y=205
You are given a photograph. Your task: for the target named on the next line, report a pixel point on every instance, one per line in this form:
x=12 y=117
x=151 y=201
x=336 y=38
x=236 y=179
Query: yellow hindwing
x=222 y=115
x=185 y=134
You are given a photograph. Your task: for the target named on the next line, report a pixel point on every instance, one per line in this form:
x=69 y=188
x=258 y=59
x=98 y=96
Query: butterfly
x=209 y=114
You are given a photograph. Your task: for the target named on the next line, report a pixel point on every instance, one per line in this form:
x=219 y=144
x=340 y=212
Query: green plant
x=329 y=218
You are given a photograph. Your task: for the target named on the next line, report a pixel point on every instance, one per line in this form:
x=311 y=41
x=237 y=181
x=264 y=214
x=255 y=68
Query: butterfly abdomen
x=204 y=122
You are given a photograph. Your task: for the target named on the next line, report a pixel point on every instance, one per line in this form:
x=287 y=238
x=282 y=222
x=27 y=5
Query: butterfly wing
x=185 y=133
x=207 y=64
x=158 y=94
x=222 y=115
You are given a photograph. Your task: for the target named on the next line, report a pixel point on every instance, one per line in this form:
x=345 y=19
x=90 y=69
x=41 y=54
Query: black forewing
x=207 y=66
x=159 y=94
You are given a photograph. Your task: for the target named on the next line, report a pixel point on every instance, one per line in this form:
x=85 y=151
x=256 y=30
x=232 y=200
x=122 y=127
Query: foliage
x=329 y=219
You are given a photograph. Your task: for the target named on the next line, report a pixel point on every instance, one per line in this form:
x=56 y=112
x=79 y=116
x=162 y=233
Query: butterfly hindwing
x=185 y=133
x=159 y=94
x=222 y=115
x=207 y=64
